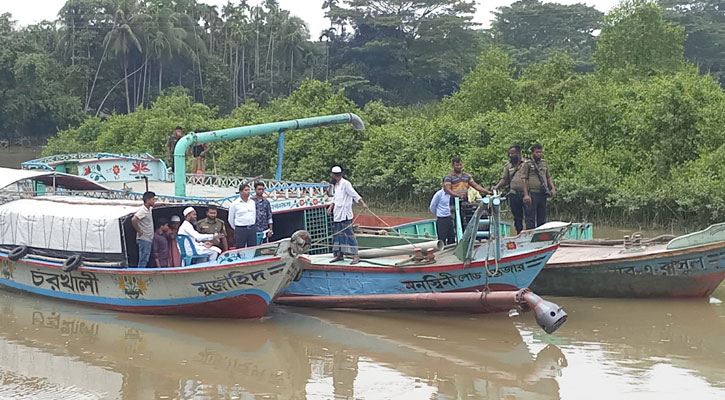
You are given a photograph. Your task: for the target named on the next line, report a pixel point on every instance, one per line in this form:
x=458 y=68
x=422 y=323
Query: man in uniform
x=540 y=187
x=211 y=224
x=171 y=145
x=515 y=177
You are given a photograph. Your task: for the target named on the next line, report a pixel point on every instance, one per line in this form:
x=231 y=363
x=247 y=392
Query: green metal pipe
x=192 y=139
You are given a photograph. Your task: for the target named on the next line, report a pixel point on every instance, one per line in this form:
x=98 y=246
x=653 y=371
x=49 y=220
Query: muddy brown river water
x=629 y=349
x=634 y=349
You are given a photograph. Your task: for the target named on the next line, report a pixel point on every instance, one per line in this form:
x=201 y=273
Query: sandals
x=336 y=259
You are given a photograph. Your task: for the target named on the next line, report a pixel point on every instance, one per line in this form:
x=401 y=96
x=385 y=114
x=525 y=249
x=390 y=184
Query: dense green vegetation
x=628 y=106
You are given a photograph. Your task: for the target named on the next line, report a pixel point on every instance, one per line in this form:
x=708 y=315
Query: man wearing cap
x=343 y=239
x=202 y=243
x=243 y=216
x=174 y=254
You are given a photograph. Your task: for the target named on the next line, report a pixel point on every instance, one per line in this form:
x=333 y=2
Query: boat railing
x=49 y=161
x=277 y=189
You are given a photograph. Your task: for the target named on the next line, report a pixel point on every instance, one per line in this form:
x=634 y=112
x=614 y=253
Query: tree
x=635 y=37
x=125 y=35
x=704 y=23
x=534 y=31
x=416 y=50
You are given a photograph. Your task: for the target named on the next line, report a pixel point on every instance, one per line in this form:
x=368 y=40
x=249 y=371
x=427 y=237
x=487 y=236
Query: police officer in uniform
x=514 y=176
x=540 y=187
x=212 y=224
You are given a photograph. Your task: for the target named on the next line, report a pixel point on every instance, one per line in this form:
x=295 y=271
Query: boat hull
x=238 y=287
x=682 y=273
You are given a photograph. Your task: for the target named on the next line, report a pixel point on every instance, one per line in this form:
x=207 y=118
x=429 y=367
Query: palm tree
x=123 y=38
x=294 y=34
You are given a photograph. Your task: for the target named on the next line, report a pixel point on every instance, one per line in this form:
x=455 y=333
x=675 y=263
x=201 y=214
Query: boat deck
x=445 y=257
x=165 y=188
x=582 y=254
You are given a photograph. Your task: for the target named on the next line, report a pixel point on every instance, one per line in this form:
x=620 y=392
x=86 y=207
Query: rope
x=388 y=226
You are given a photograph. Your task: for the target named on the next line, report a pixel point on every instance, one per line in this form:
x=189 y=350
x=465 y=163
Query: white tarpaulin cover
x=65 y=223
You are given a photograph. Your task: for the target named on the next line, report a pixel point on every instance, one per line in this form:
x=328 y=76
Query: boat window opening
x=285 y=224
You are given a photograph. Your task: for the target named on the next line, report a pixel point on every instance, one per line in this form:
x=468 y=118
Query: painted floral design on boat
x=140 y=167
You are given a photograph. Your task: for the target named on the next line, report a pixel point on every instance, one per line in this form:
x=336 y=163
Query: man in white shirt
x=202 y=242
x=343 y=239
x=242 y=216
x=440 y=207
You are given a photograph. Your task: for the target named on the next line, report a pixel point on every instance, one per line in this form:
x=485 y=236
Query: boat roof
x=72 y=207
x=9 y=176
x=65 y=223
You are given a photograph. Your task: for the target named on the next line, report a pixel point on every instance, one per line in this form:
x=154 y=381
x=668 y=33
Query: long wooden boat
x=79 y=248
x=471 y=276
x=691 y=265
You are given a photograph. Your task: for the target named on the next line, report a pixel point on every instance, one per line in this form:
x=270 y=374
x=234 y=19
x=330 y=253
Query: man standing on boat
x=540 y=187
x=456 y=184
x=343 y=239
x=440 y=207
x=171 y=145
x=212 y=224
x=202 y=243
x=242 y=216
x=515 y=177
x=263 y=220
x=143 y=223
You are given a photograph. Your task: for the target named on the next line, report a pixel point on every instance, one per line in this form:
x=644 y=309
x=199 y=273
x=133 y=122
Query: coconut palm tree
x=124 y=37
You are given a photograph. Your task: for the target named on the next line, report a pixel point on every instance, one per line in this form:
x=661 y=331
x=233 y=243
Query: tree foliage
x=641 y=138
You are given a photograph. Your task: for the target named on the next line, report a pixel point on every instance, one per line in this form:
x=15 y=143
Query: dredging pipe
x=549 y=316
x=253 y=130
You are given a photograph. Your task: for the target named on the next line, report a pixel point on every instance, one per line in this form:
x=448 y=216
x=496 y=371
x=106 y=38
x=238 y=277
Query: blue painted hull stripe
x=131 y=302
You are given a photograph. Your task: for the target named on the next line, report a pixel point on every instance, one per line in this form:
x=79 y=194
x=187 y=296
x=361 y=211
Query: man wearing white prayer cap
x=202 y=242
x=343 y=238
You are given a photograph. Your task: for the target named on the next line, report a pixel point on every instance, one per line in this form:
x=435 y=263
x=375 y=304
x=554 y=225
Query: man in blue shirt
x=440 y=207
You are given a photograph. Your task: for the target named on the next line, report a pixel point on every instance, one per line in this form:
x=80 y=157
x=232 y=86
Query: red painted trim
x=450 y=267
x=112 y=159
x=134 y=271
x=244 y=306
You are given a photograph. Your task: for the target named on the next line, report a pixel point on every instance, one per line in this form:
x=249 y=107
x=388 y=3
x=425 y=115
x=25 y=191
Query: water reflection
x=57 y=350
x=49 y=348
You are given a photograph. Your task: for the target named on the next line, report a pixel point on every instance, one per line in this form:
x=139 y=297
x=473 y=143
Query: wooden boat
x=470 y=276
x=79 y=248
x=691 y=265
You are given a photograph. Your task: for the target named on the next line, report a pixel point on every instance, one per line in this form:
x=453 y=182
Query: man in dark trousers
x=440 y=207
x=540 y=187
x=514 y=177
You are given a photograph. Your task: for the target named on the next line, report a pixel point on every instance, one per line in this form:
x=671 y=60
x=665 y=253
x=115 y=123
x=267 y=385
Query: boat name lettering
x=668 y=268
x=508 y=269
x=66 y=327
x=430 y=282
x=232 y=280
x=87 y=281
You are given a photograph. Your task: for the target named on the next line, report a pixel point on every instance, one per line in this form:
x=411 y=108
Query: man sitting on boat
x=202 y=242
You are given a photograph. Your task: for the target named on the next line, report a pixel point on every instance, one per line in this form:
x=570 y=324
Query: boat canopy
x=72 y=224
x=9 y=176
